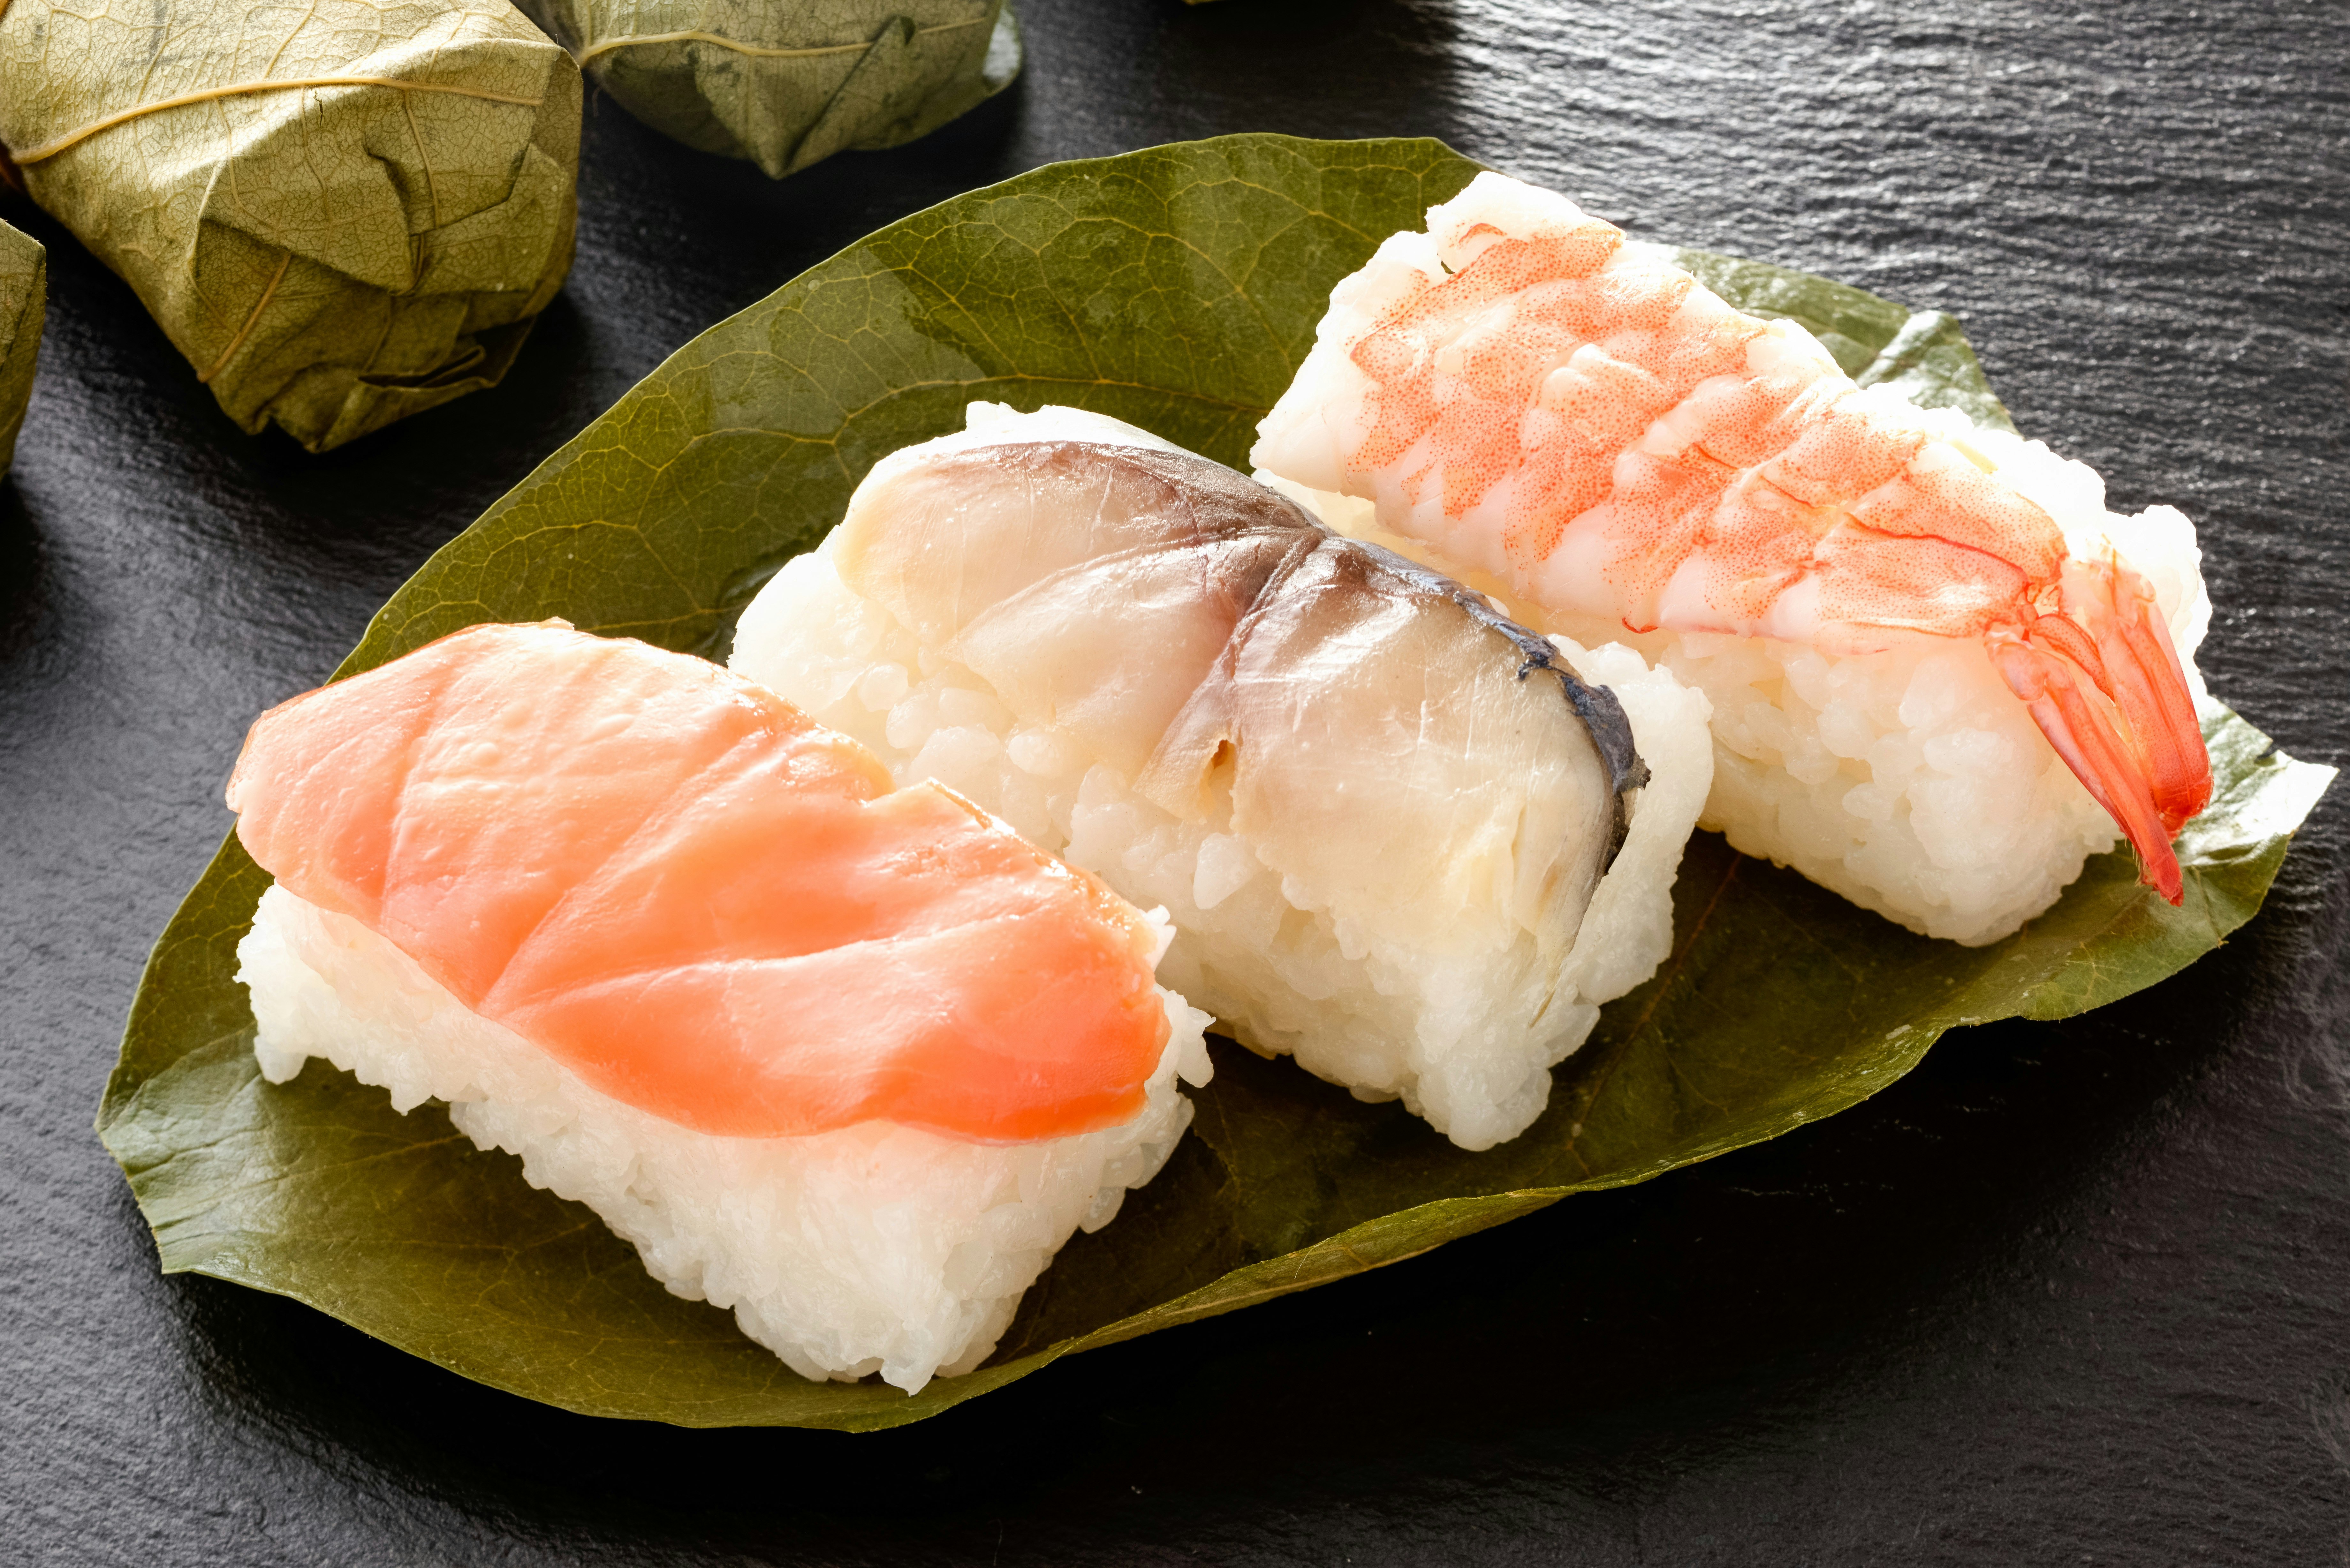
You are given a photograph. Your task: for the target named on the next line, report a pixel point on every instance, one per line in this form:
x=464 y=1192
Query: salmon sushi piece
x=850 y=1059
x=1402 y=840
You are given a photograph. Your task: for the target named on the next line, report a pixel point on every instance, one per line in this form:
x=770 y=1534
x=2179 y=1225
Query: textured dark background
x=2066 y=1294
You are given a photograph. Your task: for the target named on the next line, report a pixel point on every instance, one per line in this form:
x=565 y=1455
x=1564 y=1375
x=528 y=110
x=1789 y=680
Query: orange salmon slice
x=699 y=899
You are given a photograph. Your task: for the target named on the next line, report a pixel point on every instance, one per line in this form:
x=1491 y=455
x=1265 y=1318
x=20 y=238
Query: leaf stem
x=609 y=45
x=245 y=331
x=244 y=90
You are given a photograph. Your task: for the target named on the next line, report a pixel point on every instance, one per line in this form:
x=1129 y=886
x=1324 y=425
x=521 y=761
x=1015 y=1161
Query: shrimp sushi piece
x=850 y=1059
x=1399 y=837
x=1942 y=673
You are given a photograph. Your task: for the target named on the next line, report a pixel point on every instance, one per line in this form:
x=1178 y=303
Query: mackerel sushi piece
x=1400 y=837
x=852 y=1059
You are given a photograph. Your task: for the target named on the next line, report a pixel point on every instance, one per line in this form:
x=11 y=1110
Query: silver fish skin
x=1374 y=722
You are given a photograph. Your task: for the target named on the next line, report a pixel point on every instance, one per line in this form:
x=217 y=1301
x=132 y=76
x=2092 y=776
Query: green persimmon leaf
x=342 y=213
x=1177 y=288
x=785 y=86
x=24 y=301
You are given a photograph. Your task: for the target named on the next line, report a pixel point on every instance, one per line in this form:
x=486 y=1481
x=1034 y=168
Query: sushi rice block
x=852 y=1059
x=1400 y=839
x=1942 y=673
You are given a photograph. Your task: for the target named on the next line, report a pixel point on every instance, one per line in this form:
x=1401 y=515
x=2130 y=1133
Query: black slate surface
x=2074 y=1293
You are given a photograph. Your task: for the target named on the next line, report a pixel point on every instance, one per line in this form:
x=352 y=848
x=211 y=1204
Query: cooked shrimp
x=1541 y=401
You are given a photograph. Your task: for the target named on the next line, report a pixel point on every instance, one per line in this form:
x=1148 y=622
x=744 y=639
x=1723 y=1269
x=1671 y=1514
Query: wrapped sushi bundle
x=1942 y=673
x=786 y=85
x=24 y=295
x=1400 y=837
x=341 y=214
x=852 y=1059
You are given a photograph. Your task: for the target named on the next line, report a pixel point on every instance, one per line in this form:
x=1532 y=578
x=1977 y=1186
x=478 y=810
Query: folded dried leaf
x=24 y=279
x=341 y=215
x=786 y=85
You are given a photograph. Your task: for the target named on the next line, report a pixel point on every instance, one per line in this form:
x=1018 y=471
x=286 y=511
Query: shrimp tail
x=2146 y=683
x=2040 y=670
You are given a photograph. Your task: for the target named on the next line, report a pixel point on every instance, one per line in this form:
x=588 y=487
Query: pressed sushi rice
x=873 y=1247
x=1909 y=780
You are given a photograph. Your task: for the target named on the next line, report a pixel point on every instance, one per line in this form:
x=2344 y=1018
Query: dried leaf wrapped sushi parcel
x=787 y=86
x=342 y=215
x=24 y=287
